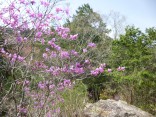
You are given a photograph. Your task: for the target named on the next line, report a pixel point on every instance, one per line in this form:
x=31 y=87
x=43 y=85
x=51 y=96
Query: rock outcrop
x=112 y=108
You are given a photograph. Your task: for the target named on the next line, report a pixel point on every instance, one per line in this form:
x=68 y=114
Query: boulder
x=112 y=108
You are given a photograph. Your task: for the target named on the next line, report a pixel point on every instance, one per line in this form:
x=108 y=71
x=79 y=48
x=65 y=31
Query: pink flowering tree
x=37 y=81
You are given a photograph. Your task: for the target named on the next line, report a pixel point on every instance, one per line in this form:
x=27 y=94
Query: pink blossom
x=39 y=26
x=22 y=110
x=38 y=34
x=50 y=69
x=74 y=37
x=67 y=83
x=6 y=21
x=10 y=55
x=62 y=31
x=66 y=30
x=20 y=58
x=71 y=67
x=7 y=53
x=91 y=45
x=64 y=69
x=13 y=60
x=84 y=50
x=39 y=15
x=64 y=35
x=33 y=15
x=50 y=42
x=52 y=92
x=51 y=86
x=87 y=61
x=18 y=32
x=27 y=10
x=19 y=39
x=56 y=71
x=103 y=65
x=48 y=114
x=46 y=4
x=64 y=55
x=73 y=52
x=121 y=68
x=53 y=39
x=58 y=18
x=45 y=56
x=47 y=49
x=41 y=104
x=25 y=39
x=57 y=110
x=97 y=71
x=67 y=11
x=22 y=1
x=26 y=82
x=18 y=82
x=53 y=45
x=42 y=41
x=3 y=51
x=78 y=65
x=47 y=32
x=25 y=25
x=109 y=70
x=94 y=72
x=32 y=2
x=40 y=65
x=100 y=69
x=41 y=85
x=49 y=16
x=58 y=48
x=12 y=6
x=53 y=54
x=26 y=89
x=58 y=10
x=79 y=70
x=60 y=86
x=14 y=56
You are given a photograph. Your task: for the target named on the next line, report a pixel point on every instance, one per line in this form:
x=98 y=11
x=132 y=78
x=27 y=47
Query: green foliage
x=145 y=91
x=134 y=49
x=137 y=89
x=137 y=85
x=95 y=86
x=90 y=27
x=74 y=100
x=4 y=70
x=88 y=24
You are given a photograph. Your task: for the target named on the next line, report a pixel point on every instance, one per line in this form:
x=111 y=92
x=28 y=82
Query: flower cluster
x=91 y=45
x=13 y=57
x=98 y=70
x=34 y=25
x=121 y=68
x=46 y=95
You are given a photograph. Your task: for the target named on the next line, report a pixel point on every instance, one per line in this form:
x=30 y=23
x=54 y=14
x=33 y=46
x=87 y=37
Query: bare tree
x=116 y=22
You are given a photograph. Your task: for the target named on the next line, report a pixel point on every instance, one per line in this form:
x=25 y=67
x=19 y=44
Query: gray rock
x=112 y=108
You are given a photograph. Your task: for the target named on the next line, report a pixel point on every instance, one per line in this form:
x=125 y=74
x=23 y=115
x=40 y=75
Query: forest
x=52 y=69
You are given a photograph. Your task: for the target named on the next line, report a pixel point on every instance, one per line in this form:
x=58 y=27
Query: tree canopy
x=134 y=49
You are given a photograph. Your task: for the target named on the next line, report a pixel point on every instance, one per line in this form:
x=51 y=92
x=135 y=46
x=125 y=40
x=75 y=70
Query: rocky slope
x=112 y=108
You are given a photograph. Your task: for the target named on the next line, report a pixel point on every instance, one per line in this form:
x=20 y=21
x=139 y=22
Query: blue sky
x=141 y=13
